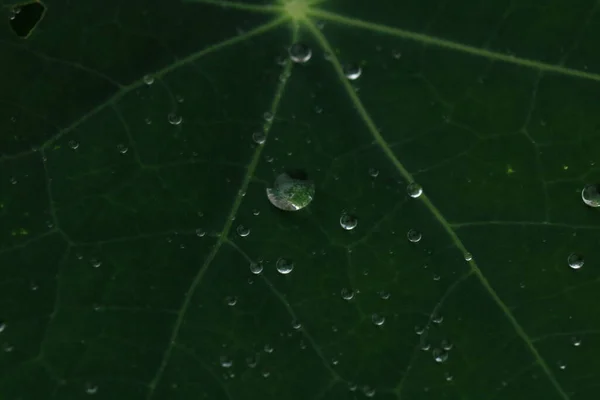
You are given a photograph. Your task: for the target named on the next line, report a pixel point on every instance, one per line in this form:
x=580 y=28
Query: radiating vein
x=470 y=224
x=430 y=206
x=222 y=238
x=262 y=8
x=450 y=45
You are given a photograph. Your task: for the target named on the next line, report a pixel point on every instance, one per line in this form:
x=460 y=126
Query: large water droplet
x=352 y=71
x=175 y=119
x=256 y=268
x=291 y=192
x=300 y=53
x=575 y=261
x=347 y=294
x=284 y=266
x=414 y=235
x=242 y=231
x=378 y=319
x=414 y=190
x=439 y=355
x=591 y=195
x=468 y=256
x=348 y=221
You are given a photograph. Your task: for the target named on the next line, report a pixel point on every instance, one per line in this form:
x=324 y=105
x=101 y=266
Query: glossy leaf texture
x=140 y=257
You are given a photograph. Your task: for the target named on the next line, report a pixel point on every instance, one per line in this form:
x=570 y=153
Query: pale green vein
x=262 y=8
x=179 y=63
x=472 y=224
x=430 y=206
x=222 y=238
x=448 y=44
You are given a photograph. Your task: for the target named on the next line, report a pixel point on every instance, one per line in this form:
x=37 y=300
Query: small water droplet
x=266 y=374
x=90 y=388
x=575 y=261
x=148 y=121
x=448 y=377
x=575 y=340
x=179 y=99
x=436 y=277
x=300 y=53
x=437 y=319
x=225 y=362
x=419 y=330
x=259 y=137
x=414 y=235
x=73 y=144
x=268 y=348
x=374 y=172
x=256 y=268
x=284 y=266
x=175 y=119
x=291 y=193
x=352 y=71
x=13 y=180
x=268 y=116
x=352 y=386
x=148 y=79
x=425 y=346
x=231 y=300
x=468 y=256
x=33 y=286
x=378 y=319
x=414 y=190
x=200 y=232
x=242 y=231
x=439 y=355
x=2 y=326
x=296 y=324
x=347 y=294
x=447 y=344
x=561 y=365
x=252 y=361
x=122 y=148
x=348 y=221
x=396 y=54
x=368 y=391
x=95 y=263
x=591 y=195
x=383 y=294
x=319 y=109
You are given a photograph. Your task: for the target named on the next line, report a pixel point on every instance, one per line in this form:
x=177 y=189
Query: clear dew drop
x=373 y=172
x=447 y=344
x=352 y=386
x=439 y=355
x=352 y=71
x=200 y=232
x=575 y=261
x=291 y=193
x=225 y=362
x=268 y=116
x=174 y=119
x=95 y=263
x=259 y=137
x=231 y=301
x=73 y=144
x=414 y=235
x=414 y=190
x=242 y=231
x=368 y=391
x=448 y=377
x=268 y=348
x=256 y=268
x=2 y=326
x=252 y=361
x=300 y=53
x=90 y=388
x=296 y=324
x=419 y=330
x=284 y=266
x=591 y=195
x=425 y=346
x=121 y=148
x=148 y=79
x=575 y=341
x=378 y=319
x=384 y=295
x=468 y=256
x=348 y=221
x=561 y=365
x=437 y=318
x=347 y=294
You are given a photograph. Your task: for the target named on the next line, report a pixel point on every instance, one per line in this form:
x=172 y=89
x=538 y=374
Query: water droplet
x=414 y=190
x=437 y=319
x=384 y=294
x=95 y=263
x=90 y=388
x=175 y=119
x=200 y=232
x=419 y=330
x=368 y=391
x=374 y=172
x=255 y=212
x=148 y=121
x=73 y=144
x=347 y=294
x=148 y=79
x=2 y=326
x=396 y=54
x=447 y=344
x=300 y=53
x=352 y=386
x=414 y=235
x=318 y=109
x=13 y=180
x=425 y=346
x=268 y=116
x=576 y=341
x=296 y=324
x=448 y=377
x=268 y=348
x=122 y=148
x=378 y=319
x=291 y=193
x=242 y=231
x=225 y=362
x=352 y=71
x=231 y=300
x=266 y=374
x=575 y=261
x=348 y=221
x=436 y=277
x=561 y=365
x=468 y=256
x=256 y=268
x=284 y=266
x=591 y=195
x=439 y=355
x=179 y=98
x=252 y=361
x=259 y=137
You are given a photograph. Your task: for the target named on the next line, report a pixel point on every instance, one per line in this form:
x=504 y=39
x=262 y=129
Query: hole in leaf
x=25 y=17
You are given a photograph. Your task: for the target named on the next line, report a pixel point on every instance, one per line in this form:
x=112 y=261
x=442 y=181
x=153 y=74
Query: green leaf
x=129 y=180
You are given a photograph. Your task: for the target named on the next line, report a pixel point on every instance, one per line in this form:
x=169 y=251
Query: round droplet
x=425 y=346
x=231 y=301
x=300 y=53
x=2 y=326
x=242 y=231
x=575 y=261
x=200 y=232
x=368 y=391
x=468 y=256
x=374 y=172
x=448 y=377
x=90 y=388
x=414 y=235
x=419 y=330
x=384 y=294
x=439 y=355
x=95 y=263
x=252 y=361
x=561 y=365
x=414 y=190
x=256 y=268
x=225 y=362
x=296 y=324
x=121 y=148
x=347 y=294
x=268 y=116
x=352 y=71
x=259 y=137
x=348 y=221
x=268 y=348
x=591 y=195
x=447 y=344
x=148 y=79
x=291 y=193
x=284 y=266
x=378 y=319
x=175 y=119
x=437 y=318
x=576 y=341
x=73 y=144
